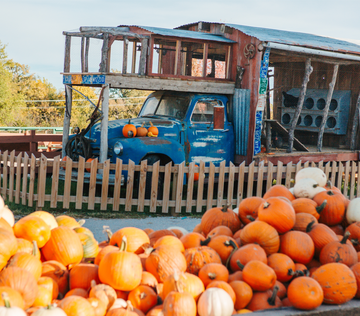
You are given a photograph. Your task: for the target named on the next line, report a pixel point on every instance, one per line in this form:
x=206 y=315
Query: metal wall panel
x=241 y=120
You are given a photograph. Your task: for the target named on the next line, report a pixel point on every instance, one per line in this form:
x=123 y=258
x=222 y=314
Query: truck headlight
x=118 y=148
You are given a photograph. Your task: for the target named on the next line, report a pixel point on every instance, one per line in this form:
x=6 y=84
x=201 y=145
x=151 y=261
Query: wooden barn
x=304 y=89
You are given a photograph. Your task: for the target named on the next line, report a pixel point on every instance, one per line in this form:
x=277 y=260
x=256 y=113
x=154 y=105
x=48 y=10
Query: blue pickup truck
x=192 y=128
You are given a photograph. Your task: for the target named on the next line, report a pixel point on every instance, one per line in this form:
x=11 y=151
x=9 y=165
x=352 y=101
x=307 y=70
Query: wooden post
x=227 y=63
x=177 y=58
x=142 y=65
x=327 y=106
x=67 y=53
x=125 y=55
x=87 y=46
x=82 y=54
x=104 y=125
x=67 y=117
x=133 y=62
x=205 y=56
x=355 y=124
x=308 y=71
x=268 y=136
x=104 y=53
x=160 y=60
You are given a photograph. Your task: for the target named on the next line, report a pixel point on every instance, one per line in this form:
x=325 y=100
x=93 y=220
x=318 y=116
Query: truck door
x=204 y=143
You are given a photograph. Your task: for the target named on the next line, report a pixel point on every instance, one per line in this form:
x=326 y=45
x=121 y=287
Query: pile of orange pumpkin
x=295 y=247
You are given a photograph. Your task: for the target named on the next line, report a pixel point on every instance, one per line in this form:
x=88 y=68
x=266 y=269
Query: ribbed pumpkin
x=50 y=284
x=163 y=261
x=103 y=292
x=76 y=306
x=223 y=285
x=179 y=303
x=101 y=254
x=157 y=234
x=8 y=246
x=141 y=131
x=14 y=297
x=192 y=240
x=248 y=209
x=219 y=216
x=58 y=272
x=265 y=300
x=44 y=297
x=98 y=306
x=22 y=281
x=246 y=253
x=143 y=298
x=63 y=246
x=89 y=244
x=283 y=266
x=148 y=279
x=170 y=241
x=261 y=233
x=68 y=221
x=82 y=274
x=32 y=228
x=5 y=225
x=303 y=220
x=259 y=275
x=305 y=293
x=27 y=246
x=298 y=246
x=197 y=257
x=213 y=271
x=277 y=213
x=337 y=281
x=356 y=270
x=220 y=230
x=224 y=246
x=305 y=205
x=279 y=190
x=321 y=235
x=121 y=269
x=354 y=230
x=136 y=238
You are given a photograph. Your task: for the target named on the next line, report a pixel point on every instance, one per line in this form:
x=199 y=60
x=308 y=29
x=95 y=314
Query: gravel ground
x=156 y=223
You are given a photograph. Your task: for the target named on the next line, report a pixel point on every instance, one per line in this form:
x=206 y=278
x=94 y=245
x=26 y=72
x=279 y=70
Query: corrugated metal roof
x=184 y=34
x=293 y=38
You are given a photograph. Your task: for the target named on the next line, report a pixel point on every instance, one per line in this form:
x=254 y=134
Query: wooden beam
x=227 y=63
x=177 y=58
x=326 y=109
x=82 y=54
x=144 y=49
x=87 y=47
x=67 y=117
x=308 y=71
x=67 y=54
x=104 y=53
x=133 y=62
x=355 y=124
x=160 y=60
x=104 y=125
x=78 y=34
x=205 y=56
x=125 y=55
x=149 y=64
x=102 y=29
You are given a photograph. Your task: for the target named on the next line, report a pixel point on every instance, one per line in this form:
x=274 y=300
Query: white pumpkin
x=292 y=190
x=8 y=215
x=314 y=173
x=119 y=303
x=50 y=310
x=215 y=302
x=307 y=188
x=47 y=218
x=183 y=230
x=353 y=211
x=7 y=310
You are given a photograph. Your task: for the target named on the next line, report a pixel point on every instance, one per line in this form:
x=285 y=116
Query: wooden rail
x=216 y=186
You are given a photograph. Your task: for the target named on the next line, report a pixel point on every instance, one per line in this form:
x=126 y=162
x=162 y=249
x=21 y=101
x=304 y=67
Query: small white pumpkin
x=8 y=215
x=7 y=310
x=50 y=310
x=183 y=230
x=307 y=188
x=215 y=302
x=353 y=211
x=314 y=173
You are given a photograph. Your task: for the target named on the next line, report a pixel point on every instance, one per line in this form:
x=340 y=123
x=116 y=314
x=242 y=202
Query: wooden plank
x=80 y=183
x=5 y=174
x=67 y=183
x=260 y=178
x=104 y=125
x=117 y=184
x=221 y=180
x=160 y=60
x=104 y=53
x=270 y=174
x=87 y=48
x=179 y=186
x=82 y=54
x=18 y=178
x=210 y=186
x=241 y=177
x=55 y=182
x=321 y=165
x=228 y=62
x=118 y=81
x=166 y=192
x=129 y=186
x=154 y=186
x=142 y=186
x=25 y=179
x=346 y=179
x=333 y=172
x=42 y=181
x=32 y=180
x=250 y=183
x=340 y=175
x=125 y=55
x=306 y=164
x=327 y=169
x=177 y=70
x=200 y=189
x=205 y=57
x=288 y=175
x=133 y=61
x=92 y=184
x=67 y=53
x=279 y=173
x=353 y=180
x=11 y=175
x=105 y=186
x=230 y=182
x=143 y=56
x=190 y=187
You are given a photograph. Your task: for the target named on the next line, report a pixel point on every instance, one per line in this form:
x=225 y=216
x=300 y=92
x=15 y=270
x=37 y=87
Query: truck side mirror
x=219 y=117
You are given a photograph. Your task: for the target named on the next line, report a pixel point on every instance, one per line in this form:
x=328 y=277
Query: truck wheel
x=150 y=161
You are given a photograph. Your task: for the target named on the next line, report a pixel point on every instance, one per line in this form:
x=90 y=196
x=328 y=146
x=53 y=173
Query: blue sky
x=32 y=29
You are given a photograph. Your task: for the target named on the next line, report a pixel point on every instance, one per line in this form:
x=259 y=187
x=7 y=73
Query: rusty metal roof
x=184 y=34
x=293 y=38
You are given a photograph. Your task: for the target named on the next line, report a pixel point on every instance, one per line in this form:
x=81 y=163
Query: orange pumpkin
x=170 y=241
x=356 y=270
x=136 y=238
x=82 y=274
x=224 y=246
x=8 y=246
x=279 y=190
x=245 y=254
x=265 y=300
x=77 y=292
x=148 y=279
x=104 y=293
x=248 y=209
x=50 y=284
x=5 y=225
x=27 y=246
x=321 y=235
x=76 y=306
x=306 y=205
x=89 y=161
x=179 y=304
x=298 y=246
x=192 y=240
x=129 y=130
x=283 y=266
x=354 y=230
x=14 y=297
x=259 y=275
x=157 y=234
x=153 y=130
x=213 y=271
x=44 y=297
x=141 y=131
x=197 y=257
x=101 y=254
x=303 y=220
x=58 y=272
x=143 y=298
x=68 y=221
x=98 y=306
x=225 y=286
x=220 y=230
x=236 y=276
x=243 y=293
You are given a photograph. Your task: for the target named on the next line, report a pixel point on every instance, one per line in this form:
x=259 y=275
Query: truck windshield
x=166 y=105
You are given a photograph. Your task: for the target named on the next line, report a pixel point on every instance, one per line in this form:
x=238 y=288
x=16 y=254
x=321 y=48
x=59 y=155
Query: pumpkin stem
x=330 y=192
x=329 y=184
x=272 y=298
x=240 y=265
x=123 y=245
x=315 y=186
x=151 y=124
x=81 y=222
x=212 y=276
x=266 y=205
x=291 y=272
x=129 y=306
x=249 y=217
x=176 y=279
x=205 y=242
x=321 y=207
x=309 y=227
x=35 y=248
x=231 y=243
x=345 y=238
x=5 y=297
x=225 y=208
x=92 y=283
x=229 y=258
x=142 y=295
x=355 y=241
x=108 y=232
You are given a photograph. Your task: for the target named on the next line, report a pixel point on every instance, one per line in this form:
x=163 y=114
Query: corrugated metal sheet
x=184 y=33
x=241 y=120
x=294 y=38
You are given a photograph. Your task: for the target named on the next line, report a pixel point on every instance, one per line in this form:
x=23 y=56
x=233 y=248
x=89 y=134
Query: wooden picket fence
x=26 y=180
